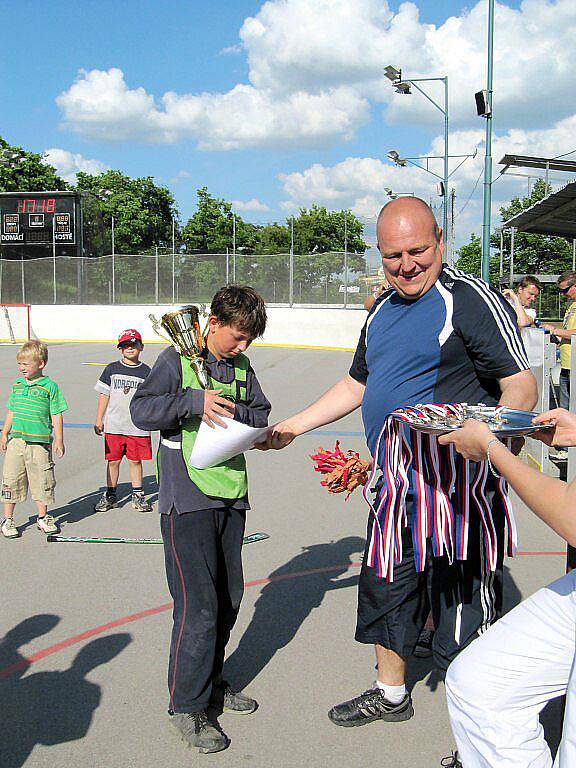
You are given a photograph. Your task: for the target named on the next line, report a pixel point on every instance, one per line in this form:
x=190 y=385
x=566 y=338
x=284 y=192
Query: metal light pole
x=488 y=157
x=402 y=85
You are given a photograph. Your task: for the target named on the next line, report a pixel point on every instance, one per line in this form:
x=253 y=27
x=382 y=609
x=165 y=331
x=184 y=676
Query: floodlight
x=393 y=73
x=403 y=87
x=395 y=157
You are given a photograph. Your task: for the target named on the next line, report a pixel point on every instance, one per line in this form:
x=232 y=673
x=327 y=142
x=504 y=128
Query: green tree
x=533 y=254
x=211 y=228
x=541 y=254
x=142 y=210
x=470 y=259
x=22 y=171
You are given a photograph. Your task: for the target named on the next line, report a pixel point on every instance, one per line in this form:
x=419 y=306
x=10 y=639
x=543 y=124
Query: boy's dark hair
x=242 y=306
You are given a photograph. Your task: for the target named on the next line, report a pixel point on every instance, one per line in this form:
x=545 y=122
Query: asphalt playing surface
x=86 y=626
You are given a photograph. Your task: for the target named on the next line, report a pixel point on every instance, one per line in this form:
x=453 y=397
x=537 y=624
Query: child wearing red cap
x=116 y=386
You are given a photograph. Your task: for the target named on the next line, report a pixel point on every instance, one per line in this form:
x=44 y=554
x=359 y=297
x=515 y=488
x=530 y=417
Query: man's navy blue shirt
x=450 y=345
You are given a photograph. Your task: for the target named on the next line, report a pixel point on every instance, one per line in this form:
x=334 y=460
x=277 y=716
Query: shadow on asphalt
x=48 y=708
x=82 y=507
x=284 y=604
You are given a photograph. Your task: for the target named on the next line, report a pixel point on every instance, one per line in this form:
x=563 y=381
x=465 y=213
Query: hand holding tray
x=440 y=419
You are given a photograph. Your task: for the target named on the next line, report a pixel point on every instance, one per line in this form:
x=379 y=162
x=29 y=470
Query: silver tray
x=515 y=423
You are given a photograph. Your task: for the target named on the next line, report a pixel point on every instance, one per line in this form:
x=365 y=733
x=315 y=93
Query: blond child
x=35 y=408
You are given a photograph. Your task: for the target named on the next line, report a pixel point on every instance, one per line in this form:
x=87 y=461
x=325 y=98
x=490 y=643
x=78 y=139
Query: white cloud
x=68 y=164
x=315 y=66
x=361 y=182
x=100 y=105
x=250 y=205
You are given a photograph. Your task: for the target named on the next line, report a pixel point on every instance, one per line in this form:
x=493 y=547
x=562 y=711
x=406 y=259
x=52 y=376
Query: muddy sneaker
x=140 y=503
x=369 y=706
x=197 y=731
x=223 y=695
x=105 y=503
x=47 y=524
x=9 y=529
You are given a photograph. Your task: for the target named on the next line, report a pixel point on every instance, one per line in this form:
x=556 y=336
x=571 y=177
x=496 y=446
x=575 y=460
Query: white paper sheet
x=215 y=444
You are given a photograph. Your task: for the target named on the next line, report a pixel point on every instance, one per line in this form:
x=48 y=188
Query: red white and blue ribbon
x=446 y=490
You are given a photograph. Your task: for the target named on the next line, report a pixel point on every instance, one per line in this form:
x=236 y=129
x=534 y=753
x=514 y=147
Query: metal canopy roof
x=553 y=215
x=527 y=161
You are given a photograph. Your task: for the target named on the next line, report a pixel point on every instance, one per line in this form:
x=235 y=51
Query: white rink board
x=298 y=326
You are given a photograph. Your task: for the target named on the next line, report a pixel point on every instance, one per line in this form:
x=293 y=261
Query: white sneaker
x=47 y=524
x=9 y=529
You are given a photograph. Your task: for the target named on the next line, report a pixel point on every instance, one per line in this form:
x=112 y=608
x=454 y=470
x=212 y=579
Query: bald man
x=436 y=335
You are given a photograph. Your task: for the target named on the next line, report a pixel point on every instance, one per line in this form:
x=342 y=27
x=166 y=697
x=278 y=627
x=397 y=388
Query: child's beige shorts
x=28 y=465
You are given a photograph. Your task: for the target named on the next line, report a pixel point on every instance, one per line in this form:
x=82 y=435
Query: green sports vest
x=229 y=479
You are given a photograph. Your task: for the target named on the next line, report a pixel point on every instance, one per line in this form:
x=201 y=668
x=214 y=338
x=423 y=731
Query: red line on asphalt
x=27 y=661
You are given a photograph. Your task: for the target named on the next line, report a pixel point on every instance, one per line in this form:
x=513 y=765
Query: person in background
x=116 y=387
x=35 y=408
x=567 y=287
x=522 y=300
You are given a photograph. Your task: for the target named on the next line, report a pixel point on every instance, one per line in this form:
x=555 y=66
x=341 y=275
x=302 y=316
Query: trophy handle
x=156 y=327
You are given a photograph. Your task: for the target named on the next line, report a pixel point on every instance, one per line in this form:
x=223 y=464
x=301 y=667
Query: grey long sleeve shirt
x=160 y=403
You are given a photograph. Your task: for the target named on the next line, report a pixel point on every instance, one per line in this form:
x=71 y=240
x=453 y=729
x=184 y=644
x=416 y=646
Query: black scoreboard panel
x=36 y=219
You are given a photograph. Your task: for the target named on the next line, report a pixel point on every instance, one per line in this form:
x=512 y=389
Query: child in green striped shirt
x=35 y=407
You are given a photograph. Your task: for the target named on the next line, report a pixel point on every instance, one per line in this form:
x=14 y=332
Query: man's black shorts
x=465 y=598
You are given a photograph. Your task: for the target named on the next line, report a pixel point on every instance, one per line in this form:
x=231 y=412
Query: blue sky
x=315 y=118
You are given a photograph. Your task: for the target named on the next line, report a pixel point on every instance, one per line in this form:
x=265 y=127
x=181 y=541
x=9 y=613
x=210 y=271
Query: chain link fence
x=167 y=278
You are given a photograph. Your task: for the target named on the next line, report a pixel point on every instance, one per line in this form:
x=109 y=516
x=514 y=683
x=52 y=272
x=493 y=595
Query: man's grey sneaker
x=223 y=695
x=369 y=706
x=105 y=503
x=451 y=761
x=423 y=648
x=197 y=731
x=9 y=529
x=140 y=503
x=46 y=524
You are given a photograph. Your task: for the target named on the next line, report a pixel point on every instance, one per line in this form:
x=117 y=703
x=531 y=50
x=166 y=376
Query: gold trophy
x=183 y=332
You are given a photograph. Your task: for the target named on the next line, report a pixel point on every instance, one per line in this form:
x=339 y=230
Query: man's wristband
x=490 y=465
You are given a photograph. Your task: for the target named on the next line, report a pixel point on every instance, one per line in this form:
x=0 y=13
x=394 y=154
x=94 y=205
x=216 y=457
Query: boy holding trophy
x=203 y=511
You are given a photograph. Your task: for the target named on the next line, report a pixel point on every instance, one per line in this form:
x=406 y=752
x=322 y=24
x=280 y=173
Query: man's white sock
x=392 y=693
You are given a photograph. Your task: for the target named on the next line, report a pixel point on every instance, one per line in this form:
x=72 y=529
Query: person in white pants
x=498 y=686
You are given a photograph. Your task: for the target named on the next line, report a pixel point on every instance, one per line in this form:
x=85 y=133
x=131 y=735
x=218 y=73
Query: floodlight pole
x=488 y=157
x=444 y=111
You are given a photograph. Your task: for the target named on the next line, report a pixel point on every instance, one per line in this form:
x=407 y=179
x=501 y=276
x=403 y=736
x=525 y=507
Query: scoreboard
x=39 y=218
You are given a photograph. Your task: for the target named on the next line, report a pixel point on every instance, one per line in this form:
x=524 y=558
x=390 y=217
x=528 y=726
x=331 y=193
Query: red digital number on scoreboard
x=37 y=205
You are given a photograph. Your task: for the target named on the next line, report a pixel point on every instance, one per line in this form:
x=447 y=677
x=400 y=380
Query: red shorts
x=135 y=448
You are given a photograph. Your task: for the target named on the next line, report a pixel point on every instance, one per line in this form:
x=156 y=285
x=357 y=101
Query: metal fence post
x=23 y=280
x=512 y=232
x=157 y=287
x=173 y=264
x=113 y=266
x=233 y=248
x=291 y=276
x=345 y=260
x=54 y=260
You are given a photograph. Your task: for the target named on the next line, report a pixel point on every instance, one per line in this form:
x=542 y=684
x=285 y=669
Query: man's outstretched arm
x=340 y=400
